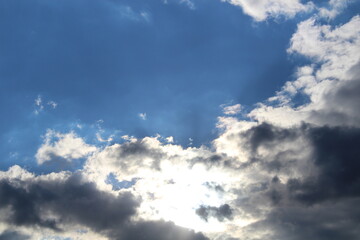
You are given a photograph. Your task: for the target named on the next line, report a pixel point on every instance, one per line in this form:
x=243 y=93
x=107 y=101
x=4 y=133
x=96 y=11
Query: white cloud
x=52 y=104
x=188 y=3
x=62 y=147
x=334 y=52
x=232 y=110
x=128 y=13
x=16 y=172
x=41 y=106
x=334 y=9
x=170 y=139
x=38 y=105
x=260 y=10
x=142 y=116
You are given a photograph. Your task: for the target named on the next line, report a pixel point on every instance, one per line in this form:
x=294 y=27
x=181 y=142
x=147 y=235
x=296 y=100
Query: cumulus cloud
x=334 y=52
x=58 y=147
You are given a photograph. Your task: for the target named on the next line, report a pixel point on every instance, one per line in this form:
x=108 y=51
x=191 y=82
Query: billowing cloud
x=58 y=147
x=334 y=52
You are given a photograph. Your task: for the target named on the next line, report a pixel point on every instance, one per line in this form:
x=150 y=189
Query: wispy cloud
x=142 y=116
x=41 y=106
x=263 y=9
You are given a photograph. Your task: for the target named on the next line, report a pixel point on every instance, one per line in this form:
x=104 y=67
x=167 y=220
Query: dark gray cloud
x=213 y=160
x=214 y=186
x=337 y=157
x=12 y=235
x=137 y=148
x=328 y=221
x=137 y=151
x=220 y=213
x=342 y=102
x=334 y=156
x=320 y=204
x=266 y=135
x=73 y=201
x=156 y=230
x=23 y=205
x=70 y=201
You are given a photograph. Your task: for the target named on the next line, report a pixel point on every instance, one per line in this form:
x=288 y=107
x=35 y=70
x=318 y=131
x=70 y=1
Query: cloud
x=263 y=9
x=59 y=147
x=158 y=230
x=69 y=200
x=335 y=67
x=40 y=105
x=142 y=116
x=61 y=201
x=170 y=139
x=334 y=155
x=188 y=3
x=318 y=222
x=294 y=175
x=335 y=7
x=52 y=104
x=232 y=110
x=128 y=13
x=220 y=213
x=12 y=235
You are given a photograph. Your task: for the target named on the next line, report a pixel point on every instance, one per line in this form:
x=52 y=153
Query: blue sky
x=111 y=60
x=203 y=119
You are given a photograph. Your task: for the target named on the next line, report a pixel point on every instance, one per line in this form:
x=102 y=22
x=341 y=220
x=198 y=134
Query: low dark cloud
x=72 y=201
x=214 y=186
x=266 y=135
x=220 y=213
x=342 y=102
x=12 y=235
x=333 y=155
x=156 y=230
x=210 y=161
x=322 y=202
x=328 y=221
x=336 y=155
x=137 y=151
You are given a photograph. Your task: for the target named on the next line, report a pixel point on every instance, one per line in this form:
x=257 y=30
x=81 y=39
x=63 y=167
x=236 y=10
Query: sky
x=179 y=119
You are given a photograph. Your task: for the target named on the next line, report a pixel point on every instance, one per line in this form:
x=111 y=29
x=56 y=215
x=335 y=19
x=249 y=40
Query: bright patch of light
x=176 y=193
